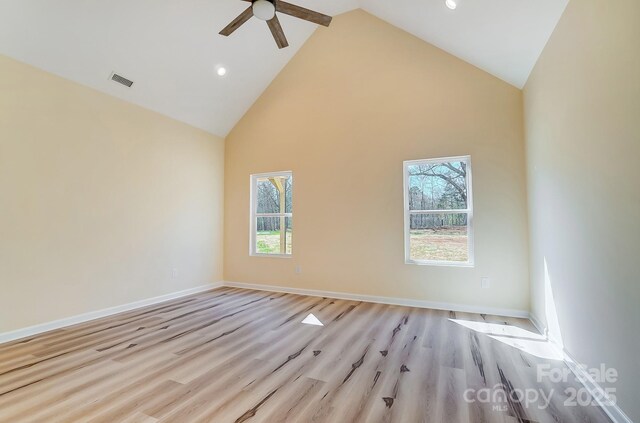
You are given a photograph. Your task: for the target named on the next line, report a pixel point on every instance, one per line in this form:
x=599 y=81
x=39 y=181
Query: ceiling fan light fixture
x=451 y=4
x=263 y=9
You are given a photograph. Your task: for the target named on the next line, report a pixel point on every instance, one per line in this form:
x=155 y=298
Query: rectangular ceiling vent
x=121 y=80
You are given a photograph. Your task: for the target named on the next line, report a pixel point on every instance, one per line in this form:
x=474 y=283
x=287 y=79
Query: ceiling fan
x=266 y=11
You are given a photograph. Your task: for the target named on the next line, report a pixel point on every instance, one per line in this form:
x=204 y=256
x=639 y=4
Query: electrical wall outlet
x=174 y=272
x=298 y=269
x=485 y=282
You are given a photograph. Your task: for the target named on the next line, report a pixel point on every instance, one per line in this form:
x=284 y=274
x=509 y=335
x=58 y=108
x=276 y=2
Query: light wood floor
x=233 y=355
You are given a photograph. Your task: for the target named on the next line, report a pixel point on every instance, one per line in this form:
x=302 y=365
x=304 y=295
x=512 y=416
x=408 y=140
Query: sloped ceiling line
x=171 y=49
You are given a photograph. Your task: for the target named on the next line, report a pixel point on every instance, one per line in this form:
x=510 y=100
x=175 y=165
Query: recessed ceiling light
x=221 y=71
x=451 y=4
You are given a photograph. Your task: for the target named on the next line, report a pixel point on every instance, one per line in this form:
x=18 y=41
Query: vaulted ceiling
x=171 y=49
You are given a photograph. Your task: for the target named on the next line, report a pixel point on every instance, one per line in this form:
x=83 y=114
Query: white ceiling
x=502 y=37
x=171 y=48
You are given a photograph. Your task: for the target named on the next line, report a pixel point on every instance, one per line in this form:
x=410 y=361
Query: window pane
x=274 y=195
x=439 y=237
x=273 y=235
x=288 y=190
x=437 y=186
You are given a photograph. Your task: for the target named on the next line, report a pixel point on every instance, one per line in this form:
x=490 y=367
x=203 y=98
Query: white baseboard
x=384 y=300
x=538 y=325
x=614 y=411
x=92 y=315
x=81 y=318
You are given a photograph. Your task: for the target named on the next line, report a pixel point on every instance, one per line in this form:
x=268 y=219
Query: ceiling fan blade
x=302 y=13
x=276 y=31
x=235 y=24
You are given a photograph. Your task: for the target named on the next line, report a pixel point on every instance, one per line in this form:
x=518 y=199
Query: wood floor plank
x=235 y=355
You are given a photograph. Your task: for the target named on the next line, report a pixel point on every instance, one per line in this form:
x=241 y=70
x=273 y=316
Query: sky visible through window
x=438 y=188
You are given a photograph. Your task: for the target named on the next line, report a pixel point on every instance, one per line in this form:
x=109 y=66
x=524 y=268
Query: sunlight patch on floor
x=524 y=340
x=499 y=329
x=312 y=320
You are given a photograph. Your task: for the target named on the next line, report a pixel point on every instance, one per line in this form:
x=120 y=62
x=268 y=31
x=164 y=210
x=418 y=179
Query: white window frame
x=254 y=215
x=468 y=211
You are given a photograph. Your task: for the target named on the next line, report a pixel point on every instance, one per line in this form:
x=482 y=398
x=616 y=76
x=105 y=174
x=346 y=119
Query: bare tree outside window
x=438 y=211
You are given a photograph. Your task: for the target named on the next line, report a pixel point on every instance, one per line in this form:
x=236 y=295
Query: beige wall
x=354 y=103
x=99 y=200
x=582 y=108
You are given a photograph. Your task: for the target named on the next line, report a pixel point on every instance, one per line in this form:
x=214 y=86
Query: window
x=438 y=211
x=271 y=214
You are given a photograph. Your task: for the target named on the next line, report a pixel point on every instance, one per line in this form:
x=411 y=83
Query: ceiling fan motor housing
x=263 y=9
x=266 y=10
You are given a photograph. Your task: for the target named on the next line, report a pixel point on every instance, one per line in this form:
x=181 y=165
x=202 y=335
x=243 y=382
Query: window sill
x=270 y=255
x=439 y=263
